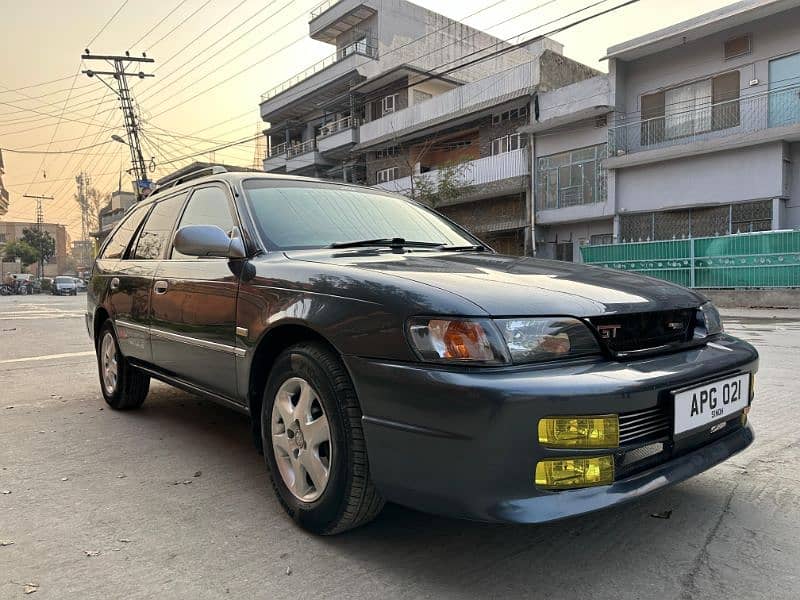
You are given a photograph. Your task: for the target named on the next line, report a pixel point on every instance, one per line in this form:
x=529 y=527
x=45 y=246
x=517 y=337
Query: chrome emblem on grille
x=675 y=325
x=608 y=332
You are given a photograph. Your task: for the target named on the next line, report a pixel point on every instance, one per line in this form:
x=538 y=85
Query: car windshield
x=64 y=280
x=293 y=215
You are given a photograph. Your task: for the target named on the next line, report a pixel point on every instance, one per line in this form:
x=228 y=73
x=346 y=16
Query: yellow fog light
x=599 y=431
x=564 y=473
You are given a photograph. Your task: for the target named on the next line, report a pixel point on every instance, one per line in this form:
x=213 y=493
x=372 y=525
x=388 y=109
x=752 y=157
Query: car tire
x=348 y=498
x=127 y=388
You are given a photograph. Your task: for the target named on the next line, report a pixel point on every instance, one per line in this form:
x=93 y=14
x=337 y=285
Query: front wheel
x=123 y=386
x=314 y=444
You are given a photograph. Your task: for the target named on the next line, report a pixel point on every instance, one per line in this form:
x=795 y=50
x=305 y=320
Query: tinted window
x=314 y=217
x=156 y=231
x=122 y=236
x=207 y=206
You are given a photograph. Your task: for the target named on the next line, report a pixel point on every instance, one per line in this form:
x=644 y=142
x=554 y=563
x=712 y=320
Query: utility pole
x=39 y=224
x=83 y=181
x=120 y=64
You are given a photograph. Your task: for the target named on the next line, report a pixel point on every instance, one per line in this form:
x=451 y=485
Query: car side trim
x=129 y=325
x=184 y=339
x=191 y=387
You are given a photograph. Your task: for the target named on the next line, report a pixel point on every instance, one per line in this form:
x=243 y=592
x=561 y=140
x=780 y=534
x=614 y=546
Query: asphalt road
x=173 y=502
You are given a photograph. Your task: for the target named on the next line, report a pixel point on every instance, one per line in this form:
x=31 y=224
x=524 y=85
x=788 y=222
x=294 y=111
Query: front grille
x=643 y=331
x=644 y=426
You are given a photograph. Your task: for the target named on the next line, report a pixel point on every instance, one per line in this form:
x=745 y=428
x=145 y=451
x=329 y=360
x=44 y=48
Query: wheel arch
x=100 y=317
x=274 y=341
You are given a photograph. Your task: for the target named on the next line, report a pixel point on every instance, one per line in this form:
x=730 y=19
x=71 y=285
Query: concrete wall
x=445 y=41
x=770 y=37
x=734 y=176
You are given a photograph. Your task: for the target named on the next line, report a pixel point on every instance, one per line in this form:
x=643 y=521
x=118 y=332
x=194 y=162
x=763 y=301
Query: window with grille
x=707 y=221
x=601 y=239
x=690 y=109
x=389 y=104
x=514 y=113
x=507 y=143
x=738 y=46
x=387 y=152
x=389 y=174
x=571 y=178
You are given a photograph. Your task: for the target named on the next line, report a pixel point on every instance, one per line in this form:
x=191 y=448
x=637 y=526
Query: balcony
x=751 y=119
x=516 y=82
x=507 y=167
x=338 y=136
x=305 y=156
x=275 y=158
x=322 y=82
x=332 y=17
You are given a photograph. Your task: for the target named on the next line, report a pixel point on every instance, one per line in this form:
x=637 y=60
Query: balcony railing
x=276 y=150
x=474 y=172
x=342 y=124
x=366 y=46
x=301 y=148
x=512 y=83
x=757 y=112
x=321 y=8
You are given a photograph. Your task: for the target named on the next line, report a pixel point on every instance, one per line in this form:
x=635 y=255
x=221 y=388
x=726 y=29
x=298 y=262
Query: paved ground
x=85 y=480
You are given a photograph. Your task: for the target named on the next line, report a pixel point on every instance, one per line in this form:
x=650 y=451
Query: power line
x=107 y=23
x=157 y=25
x=70 y=151
x=200 y=54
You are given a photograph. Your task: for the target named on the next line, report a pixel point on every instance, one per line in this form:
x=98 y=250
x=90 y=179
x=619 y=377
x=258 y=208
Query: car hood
x=516 y=286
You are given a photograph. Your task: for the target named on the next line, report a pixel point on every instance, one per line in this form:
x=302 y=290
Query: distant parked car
x=63 y=286
x=80 y=284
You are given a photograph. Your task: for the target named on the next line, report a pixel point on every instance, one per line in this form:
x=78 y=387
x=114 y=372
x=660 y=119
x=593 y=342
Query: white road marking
x=47 y=357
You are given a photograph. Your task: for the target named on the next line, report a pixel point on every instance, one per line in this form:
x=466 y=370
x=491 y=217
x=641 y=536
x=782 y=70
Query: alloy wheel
x=301 y=439
x=109 y=364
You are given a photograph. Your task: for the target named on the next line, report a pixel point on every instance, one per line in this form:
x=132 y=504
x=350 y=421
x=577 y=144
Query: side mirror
x=208 y=240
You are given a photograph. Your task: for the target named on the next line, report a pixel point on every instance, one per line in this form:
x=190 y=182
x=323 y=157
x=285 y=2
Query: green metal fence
x=750 y=260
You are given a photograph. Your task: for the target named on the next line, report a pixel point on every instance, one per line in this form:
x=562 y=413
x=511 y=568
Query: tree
x=434 y=189
x=42 y=241
x=23 y=250
x=448 y=185
x=93 y=202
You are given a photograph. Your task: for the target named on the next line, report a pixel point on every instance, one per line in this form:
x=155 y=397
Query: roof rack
x=182 y=176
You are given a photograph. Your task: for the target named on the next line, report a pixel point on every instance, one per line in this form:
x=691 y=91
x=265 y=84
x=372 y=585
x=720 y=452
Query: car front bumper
x=464 y=443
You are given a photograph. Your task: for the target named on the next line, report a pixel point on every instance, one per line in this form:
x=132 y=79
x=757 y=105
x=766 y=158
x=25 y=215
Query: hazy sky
x=213 y=60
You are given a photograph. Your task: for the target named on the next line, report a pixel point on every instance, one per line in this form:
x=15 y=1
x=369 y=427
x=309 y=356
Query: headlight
x=531 y=340
x=707 y=321
x=457 y=340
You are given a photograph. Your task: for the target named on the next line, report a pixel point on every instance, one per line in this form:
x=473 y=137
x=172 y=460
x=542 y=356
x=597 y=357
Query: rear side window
x=207 y=206
x=122 y=236
x=156 y=231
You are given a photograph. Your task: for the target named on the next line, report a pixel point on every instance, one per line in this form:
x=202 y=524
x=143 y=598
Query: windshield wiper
x=394 y=243
x=470 y=248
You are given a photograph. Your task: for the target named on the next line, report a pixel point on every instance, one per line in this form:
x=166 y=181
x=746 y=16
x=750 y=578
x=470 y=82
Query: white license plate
x=711 y=402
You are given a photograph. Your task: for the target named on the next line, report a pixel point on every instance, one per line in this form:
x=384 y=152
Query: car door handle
x=114 y=283
x=160 y=287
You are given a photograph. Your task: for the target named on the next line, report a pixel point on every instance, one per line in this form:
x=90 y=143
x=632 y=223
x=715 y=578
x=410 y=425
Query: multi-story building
x=409 y=93
x=703 y=135
x=111 y=213
x=12 y=230
x=4 y=198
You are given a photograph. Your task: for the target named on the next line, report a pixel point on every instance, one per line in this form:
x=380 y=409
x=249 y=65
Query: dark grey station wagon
x=385 y=354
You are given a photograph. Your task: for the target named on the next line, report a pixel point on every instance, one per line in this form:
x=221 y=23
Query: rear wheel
x=313 y=442
x=123 y=386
